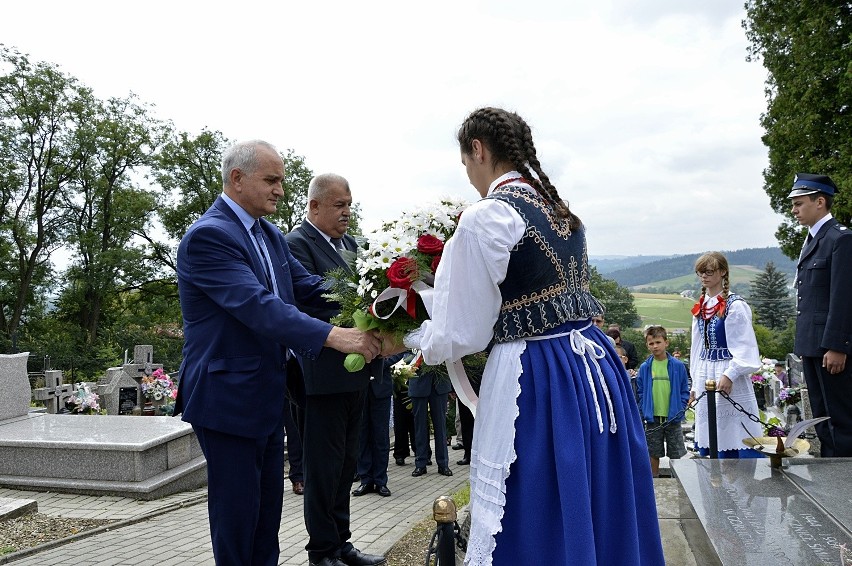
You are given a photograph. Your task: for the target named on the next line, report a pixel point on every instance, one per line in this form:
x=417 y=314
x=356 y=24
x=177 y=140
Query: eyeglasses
x=706 y=273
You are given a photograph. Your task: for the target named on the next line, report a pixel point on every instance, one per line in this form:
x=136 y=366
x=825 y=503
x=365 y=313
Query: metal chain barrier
x=679 y=415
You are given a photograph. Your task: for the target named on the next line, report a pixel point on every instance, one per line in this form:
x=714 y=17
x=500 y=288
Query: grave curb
x=194 y=500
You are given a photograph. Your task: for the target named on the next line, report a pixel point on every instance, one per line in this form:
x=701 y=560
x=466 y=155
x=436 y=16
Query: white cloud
x=646 y=115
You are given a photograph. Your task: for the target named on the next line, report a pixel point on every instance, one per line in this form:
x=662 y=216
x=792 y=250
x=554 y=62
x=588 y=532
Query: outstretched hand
x=354 y=341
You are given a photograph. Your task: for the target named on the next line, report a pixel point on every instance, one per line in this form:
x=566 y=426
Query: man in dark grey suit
x=334 y=396
x=824 y=311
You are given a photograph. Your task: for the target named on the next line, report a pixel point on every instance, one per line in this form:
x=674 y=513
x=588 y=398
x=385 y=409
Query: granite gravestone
x=15 y=386
x=120 y=385
x=754 y=515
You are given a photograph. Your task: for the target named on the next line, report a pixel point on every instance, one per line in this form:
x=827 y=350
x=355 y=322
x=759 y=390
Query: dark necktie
x=808 y=239
x=338 y=244
x=257 y=232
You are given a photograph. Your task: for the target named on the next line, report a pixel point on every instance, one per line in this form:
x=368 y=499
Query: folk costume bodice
x=712 y=330
x=547 y=281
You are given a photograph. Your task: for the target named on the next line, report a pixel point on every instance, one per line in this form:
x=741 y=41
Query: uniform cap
x=808 y=184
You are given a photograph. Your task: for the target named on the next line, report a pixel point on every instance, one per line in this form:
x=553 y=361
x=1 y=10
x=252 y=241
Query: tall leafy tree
x=770 y=298
x=618 y=301
x=41 y=110
x=805 y=47
x=109 y=210
x=188 y=171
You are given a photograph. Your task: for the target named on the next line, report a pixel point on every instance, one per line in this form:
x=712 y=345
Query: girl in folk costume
x=724 y=348
x=559 y=465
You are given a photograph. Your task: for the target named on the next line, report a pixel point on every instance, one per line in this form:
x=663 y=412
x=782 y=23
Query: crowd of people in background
x=562 y=396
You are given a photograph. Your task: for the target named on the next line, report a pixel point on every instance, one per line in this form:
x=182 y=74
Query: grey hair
x=242 y=156
x=321 y=184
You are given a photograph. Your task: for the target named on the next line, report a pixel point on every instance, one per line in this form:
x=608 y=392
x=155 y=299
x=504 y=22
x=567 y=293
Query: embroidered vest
x=713 y=332
x=547 y=280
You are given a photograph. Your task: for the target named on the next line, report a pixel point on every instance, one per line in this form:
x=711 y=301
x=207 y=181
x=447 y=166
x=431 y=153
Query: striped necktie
x=257 y=232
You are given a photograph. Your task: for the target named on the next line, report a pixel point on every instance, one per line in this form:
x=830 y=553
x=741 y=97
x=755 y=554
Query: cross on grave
x=54 y=393
x=144 y=355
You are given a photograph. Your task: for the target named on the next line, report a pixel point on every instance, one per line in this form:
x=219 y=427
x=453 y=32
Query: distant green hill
x=676 y=273
x=741 y=277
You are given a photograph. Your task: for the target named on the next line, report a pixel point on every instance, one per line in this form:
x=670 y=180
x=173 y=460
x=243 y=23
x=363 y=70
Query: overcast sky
x=645 y=113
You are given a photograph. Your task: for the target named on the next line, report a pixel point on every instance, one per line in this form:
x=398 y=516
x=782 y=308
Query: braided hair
x=509 y=139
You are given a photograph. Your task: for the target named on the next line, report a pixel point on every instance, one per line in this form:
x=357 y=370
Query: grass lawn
x=671 y=311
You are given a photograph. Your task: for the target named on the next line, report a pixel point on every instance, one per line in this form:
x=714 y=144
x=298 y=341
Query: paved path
x=175 y=530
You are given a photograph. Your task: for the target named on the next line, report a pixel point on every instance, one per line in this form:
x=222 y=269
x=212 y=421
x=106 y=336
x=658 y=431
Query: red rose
x=435 y=261
x=428 y=244
x=402 y=273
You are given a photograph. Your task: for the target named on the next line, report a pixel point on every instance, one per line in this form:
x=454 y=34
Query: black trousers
x=831 y=396
x=466 y=418
x=403 y=426
x=330 y=453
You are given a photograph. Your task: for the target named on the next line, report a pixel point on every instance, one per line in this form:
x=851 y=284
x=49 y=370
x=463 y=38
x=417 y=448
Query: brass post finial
x=710 y=385
x=444 y=510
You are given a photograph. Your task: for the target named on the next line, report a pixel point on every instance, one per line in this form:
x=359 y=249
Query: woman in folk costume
x=559 y=466
x=724 y=349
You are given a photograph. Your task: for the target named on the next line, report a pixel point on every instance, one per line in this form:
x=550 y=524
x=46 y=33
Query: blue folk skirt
x=576 y=495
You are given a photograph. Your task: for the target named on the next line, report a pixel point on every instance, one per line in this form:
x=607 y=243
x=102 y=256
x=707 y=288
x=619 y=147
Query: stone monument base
x=138 y=457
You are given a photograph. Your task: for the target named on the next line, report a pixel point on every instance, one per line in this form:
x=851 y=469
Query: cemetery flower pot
x=149 y=410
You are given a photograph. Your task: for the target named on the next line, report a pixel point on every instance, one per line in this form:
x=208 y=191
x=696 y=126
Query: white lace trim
x=493 y=450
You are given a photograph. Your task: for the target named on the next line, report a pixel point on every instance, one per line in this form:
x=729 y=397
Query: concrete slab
x=11 y=508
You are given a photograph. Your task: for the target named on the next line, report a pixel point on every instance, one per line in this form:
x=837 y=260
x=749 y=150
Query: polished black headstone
x=755 y=515
x=128 y=397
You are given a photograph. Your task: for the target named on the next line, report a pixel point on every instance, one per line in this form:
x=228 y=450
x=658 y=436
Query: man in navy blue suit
x=334 y=397
x=429 y=392
x=824 y=311
x=374 y=450
x=238 y=285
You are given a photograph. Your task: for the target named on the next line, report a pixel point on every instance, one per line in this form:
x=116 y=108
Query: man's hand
x=724 y=384
x=353 y=341
x=834 y=361
x=391 y=345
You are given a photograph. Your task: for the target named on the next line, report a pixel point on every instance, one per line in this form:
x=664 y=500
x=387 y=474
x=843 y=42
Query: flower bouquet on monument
x=789 y=396
x=158 y=387
x=391 y=274
x=83 y=401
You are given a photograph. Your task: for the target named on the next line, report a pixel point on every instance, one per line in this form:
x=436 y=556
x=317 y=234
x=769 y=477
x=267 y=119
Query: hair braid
x=509 y=139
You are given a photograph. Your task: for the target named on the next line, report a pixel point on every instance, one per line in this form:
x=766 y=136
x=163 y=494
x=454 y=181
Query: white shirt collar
x=815 y=228
x=324 y=235
x=501 y=178
x=246 y=218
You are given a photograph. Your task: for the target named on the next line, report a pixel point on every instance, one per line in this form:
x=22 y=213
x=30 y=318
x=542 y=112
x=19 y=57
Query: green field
x=739 y=274
x=671 y=311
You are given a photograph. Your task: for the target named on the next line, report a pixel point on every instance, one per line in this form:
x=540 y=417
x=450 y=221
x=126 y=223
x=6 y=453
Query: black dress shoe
x=464 y=462
x=445 y=471
x=429 y=462
x=383 y=491
x=357 y=558
x=418 y=472
x=400 y=461
x=328 y=561
x=363 y=489
x=458 y=446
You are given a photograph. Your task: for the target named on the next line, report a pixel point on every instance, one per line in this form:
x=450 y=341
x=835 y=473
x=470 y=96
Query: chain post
x=444 y=513
x=710 y=387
